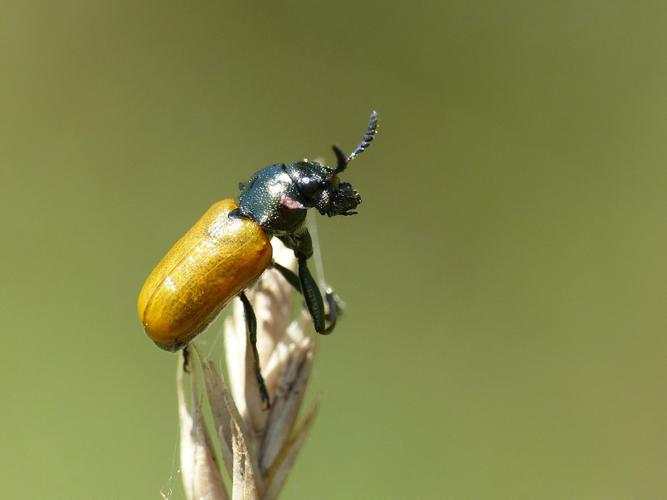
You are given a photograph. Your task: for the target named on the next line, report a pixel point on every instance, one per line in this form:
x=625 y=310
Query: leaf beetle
x=229 y=247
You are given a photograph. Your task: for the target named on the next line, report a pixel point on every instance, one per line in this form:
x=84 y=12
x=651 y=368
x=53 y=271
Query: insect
x=229 y=247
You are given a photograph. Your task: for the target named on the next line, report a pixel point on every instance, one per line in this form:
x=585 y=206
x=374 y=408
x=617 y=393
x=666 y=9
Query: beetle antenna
x=341 y=158
x=368 y=137
x=372 y=129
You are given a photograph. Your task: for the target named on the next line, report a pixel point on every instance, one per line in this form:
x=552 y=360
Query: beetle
x=229 y=247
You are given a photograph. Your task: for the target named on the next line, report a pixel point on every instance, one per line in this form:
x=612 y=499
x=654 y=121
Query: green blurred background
x=506 y=276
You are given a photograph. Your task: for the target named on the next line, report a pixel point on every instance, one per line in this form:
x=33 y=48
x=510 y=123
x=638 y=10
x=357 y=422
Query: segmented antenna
x=372 y=129
x=368 y=137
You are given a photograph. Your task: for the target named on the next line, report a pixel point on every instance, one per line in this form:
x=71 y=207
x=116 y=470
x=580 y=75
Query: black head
x=319 y=185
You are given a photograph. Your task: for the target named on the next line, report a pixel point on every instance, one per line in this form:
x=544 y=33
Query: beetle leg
x=251 y=323
x=314 y=301
x=302 y=245
x=290 y=276
x=186 y=359
x=333 y=308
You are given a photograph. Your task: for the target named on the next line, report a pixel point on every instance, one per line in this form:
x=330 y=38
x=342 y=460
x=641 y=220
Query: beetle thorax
x=272 y=200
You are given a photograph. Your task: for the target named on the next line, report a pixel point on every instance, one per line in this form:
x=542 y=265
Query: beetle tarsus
x=332 y=306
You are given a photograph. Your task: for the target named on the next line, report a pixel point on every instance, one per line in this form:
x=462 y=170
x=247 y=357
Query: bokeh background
x=506 y=277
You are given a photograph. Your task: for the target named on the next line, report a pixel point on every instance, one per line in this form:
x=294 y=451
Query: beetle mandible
x=229 y=248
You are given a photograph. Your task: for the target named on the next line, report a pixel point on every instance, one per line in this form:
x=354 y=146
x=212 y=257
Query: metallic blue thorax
x=270 y=198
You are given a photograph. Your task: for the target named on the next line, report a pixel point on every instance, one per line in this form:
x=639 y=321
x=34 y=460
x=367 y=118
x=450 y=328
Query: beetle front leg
x=315 y=303
x=302 y=245
x=251 y=323
x=290 y=276
x=330 y=316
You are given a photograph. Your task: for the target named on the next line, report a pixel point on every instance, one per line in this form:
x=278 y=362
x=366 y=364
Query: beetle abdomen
x=214 y=261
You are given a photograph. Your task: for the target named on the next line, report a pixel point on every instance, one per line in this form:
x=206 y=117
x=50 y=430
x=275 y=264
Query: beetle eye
x=309 y=186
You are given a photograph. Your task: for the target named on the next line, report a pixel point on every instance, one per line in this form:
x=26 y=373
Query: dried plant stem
x=258 y=448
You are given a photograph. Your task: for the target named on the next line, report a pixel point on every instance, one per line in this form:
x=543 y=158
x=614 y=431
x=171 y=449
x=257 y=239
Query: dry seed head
x=258 y=447
x=199 y=467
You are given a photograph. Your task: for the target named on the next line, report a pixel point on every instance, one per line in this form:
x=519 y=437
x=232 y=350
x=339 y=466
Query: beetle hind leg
x=251 y=324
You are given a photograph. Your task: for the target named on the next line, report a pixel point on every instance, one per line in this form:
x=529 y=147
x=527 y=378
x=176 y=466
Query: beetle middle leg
x=186 y=359
x=251 y=323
